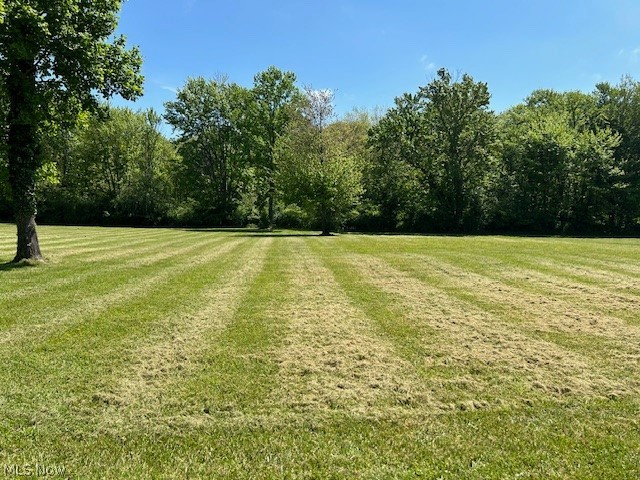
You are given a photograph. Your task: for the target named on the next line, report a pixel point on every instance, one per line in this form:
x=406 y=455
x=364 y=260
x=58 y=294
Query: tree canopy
x=56 y=58
x=273 y=154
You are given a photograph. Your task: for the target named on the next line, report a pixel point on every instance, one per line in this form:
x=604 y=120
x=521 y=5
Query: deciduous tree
x=558 y=164
x=445 y=132
x=272 y=95
x=55 y=56
x=207 y=114
x=318 y=172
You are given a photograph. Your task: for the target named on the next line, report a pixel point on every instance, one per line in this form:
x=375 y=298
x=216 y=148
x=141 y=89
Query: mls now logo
x=34 y=470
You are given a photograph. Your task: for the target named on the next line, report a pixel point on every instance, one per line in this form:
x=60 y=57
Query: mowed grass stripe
x=586 y=268
x=610 y=344
x=62 y=275
x=47 y=313
x=463 y=363
x=578 y=308
x=521 y=260
x=237 y=370
x=600 y=326
x=79 y=237
x=161 y=362
x=61 y=412
x=619 y=280
x=61 y=239
x=111 y=245
x=618 y=296
x=91 y=274
x=620 y=252
x=610 y=265
x=114 y=246
x=332 y=359
x=477 y=355
x=415 y=342
x=582 y=304
x=73 y=361
x=441 y=350
x=594 y=272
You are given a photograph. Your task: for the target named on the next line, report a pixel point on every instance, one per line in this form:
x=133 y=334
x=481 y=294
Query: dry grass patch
x=38 y=325
x=167 y=356
x=484 y=355
x=331 y=358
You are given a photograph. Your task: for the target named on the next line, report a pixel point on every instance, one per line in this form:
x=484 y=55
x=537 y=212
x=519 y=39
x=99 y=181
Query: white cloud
x=173 y=90
x=630 y=55
x=427 y=64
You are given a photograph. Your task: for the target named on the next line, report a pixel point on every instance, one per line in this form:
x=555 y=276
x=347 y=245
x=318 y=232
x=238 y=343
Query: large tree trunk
x=28 y=246
x=22 y=178
x=23 y=154
x=271 y=203
x=325 y=220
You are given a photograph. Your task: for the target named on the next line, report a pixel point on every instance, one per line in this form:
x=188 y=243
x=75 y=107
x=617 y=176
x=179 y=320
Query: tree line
x=273 y=155
x=276 y=155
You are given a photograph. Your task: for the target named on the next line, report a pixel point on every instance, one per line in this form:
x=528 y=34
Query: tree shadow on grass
x=278 y=235
x=223 y=230
x=255 y=232
x=507 y=234
x=8 y=266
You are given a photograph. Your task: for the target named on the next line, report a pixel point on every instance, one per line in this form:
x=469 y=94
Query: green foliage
x=439 y=160
x=620 y=107
x=319 y=167
x=207 y=115
x=559 y=168
x=69 y=45
x=445 y=133
x=115 y=164
x=559 y=162
x=148 y=191
x=269 y=111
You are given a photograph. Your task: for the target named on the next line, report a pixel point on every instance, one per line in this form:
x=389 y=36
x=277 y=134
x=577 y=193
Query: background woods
x=274 y=154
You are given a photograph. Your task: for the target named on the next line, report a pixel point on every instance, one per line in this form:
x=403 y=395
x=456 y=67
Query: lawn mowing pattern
x=157 y=353
x=333 y=360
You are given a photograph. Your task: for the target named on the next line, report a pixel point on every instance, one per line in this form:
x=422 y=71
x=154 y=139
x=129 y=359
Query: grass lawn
x=156 y=353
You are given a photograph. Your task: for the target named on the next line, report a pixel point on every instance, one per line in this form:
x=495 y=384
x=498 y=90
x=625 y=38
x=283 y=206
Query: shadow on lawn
x=254 y=232
x=257 y=232
x=7 y=266
x=504 y=234
x=281 y=235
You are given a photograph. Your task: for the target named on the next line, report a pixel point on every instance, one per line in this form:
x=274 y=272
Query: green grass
x=158 y=353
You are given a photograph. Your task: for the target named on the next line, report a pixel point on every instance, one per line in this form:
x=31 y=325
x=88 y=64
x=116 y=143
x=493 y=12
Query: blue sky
x=373 y=51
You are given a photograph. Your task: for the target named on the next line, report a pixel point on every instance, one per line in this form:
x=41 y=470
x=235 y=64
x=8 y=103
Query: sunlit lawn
x=159 y=353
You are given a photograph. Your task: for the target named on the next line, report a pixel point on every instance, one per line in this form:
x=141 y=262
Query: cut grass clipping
x=135 y=353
